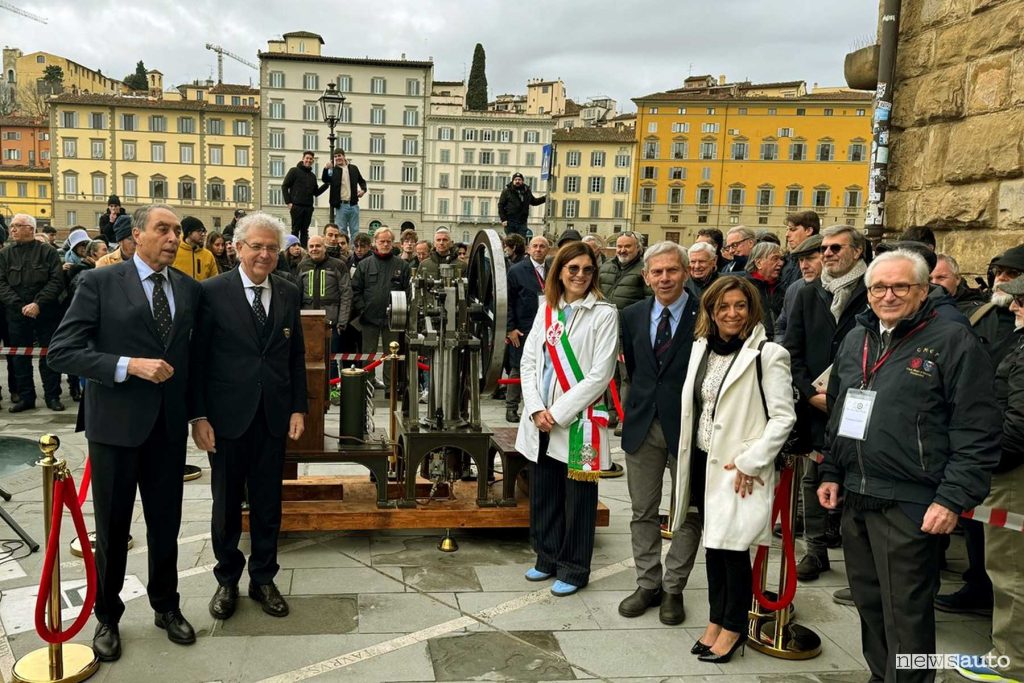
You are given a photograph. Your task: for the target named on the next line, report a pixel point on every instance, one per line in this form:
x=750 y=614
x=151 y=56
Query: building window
x=772 y=111
x=797 y=151
x=130 y=187
x=485 y=181
x=652 y=127
x=442 y=207
x=156 y=152
x=377 y=171
x=852 y=199
x=503 y=157
x=186 y=153
x=827 y=112
x=96 y=121
x=531 y=159
x=573 y=158
x=411 y=116
x=621 y=161
x=597 y=159
x=241 y=193
x=681 y=127
x=619 y=209
x=236 y=101
x=344 y=83
x=186 y=124
x=215 y=190
x=310 y=140
x=769 y=151
x=276 y=167
x=467 y=208
x=70 y=183
x=710 y=111
x=742 y=111
x=376 y=144
x=377 y=115
x=571 y=184
x=276 y=138
x=344 y=141
x=23 y=190
x=97 y=148
x=708 y=150
x=801 y=112
x=158 y=124
x=276 y=110
x=241 y=156
x=651 y=150
x=648 y=195
x=412 y=87
x=824 y=152
x=652 y=110
x=709 y=128
x=570 y=208
x=821 y=199
x=443 y=180
x=468 y=155
x=216 y=155
x=446 y=156
x=649 y=172
x=187 y=189
x=620 y=185
x=410 y=146
x=376 y=200
x=310 y=82
x=856 y=152
x=128 y=150
x=158 y=187
x=409 y=201
x=765 y=197
x=794 y=199
x=531 y=137
x=675 y=196
x=378 y=86
x=505 y=135
x=70 y=148
x=467 y=181
x=42 y=191
x=486 y=157
x=469 y=134
x=739 y=151
x=69 y=119
x=595 y=211
x=215 y=126
x=677 y=173
x=72 y=217
x=445 y=133
x=736 y=196
x=275 y=79
x=680 y=150
x=595 y=185
x=310 y=111
x=487 y=135
x=128 y=122
x=860 y=112
x=345 y=114
x=410 y=173
x=242 y=127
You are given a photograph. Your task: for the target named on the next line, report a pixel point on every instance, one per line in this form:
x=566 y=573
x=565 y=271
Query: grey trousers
x=815 y=516
x=893 y=568
x=645 y=473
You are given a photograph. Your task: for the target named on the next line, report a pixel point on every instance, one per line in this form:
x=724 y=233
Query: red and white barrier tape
x=22 y=351
x=996 y=517
x=361 y=356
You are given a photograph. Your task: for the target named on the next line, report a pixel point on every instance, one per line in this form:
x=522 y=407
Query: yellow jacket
x=111 y=258
x=196 y=262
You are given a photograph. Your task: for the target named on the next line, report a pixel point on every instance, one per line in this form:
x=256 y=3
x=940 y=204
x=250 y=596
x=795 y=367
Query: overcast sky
x=620 y=48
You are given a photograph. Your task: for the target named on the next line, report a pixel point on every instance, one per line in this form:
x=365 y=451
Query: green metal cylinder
x=353 y=403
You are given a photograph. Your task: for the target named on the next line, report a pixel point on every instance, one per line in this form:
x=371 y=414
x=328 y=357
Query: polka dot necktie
x=257 y=307
x=161 y=307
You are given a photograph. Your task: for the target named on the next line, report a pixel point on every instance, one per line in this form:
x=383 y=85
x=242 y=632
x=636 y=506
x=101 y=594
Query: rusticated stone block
x=982 y=5
x=989 y=84
x=975 y=248
x=987 y=33
x=1010 y=204
x=941 y=94
x=918 y=15
x=908 y=154
x=935 y=153
x=1017 y=78
x=914 y=55
x=985 y=147
x=899 y=210
x=967 y=206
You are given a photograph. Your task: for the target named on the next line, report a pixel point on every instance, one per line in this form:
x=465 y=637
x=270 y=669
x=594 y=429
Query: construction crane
x=34 y=17
x=220 y=59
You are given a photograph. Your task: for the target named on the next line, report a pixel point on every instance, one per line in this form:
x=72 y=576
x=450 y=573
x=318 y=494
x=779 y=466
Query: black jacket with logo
x=935 y=429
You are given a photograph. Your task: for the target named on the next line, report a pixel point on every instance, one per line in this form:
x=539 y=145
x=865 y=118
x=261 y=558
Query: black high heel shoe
x=700 y=648
x=740 y=645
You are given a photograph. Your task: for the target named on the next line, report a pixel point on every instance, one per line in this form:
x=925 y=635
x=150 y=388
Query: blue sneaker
x=977 y=671
x=561 y=589
x=532 y=574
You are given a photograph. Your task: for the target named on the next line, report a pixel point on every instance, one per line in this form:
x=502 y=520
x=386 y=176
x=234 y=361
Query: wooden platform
x=359 y=510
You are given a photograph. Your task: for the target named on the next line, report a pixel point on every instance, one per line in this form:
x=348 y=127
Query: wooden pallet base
x=358 y=509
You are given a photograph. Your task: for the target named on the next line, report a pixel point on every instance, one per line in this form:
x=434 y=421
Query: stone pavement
x=388 y=606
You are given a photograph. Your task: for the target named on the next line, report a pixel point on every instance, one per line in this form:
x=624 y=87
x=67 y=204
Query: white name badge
x=856 y=413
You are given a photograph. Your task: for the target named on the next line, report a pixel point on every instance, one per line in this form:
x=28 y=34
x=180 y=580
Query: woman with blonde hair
x=737 y=411
x=568 y=359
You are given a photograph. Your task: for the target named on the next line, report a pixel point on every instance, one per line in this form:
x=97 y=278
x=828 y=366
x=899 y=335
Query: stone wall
x=957 y=161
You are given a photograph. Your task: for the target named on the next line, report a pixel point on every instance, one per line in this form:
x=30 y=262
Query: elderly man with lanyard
x=911 y=442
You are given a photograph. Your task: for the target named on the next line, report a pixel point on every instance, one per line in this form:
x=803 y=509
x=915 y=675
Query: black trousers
x=301 y=218
x=24 y=331
x=5 y=340
x=563 y=518
x=976 y=578
x=254 y=460
x=730 y=588
x=893 y=568
x=156 y=467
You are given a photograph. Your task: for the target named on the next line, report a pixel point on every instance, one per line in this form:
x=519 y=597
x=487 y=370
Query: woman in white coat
x=568 y=359
x=730 y=432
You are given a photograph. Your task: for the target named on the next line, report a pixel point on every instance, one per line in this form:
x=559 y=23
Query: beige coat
x=594 y=336
x=741 y=435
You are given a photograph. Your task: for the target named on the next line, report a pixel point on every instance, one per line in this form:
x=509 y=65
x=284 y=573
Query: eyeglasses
x=1019 y=300
x=21 y=225
x=1008 y=272
x=269 y=248
x=831 y=248
x=899 y=290
x=575 y=270
x=735 y=245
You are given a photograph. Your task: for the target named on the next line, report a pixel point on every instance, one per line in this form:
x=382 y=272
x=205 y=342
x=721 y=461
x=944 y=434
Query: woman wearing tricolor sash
x=567 y=363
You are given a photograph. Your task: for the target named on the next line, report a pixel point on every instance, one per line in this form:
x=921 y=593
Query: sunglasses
x=831 y=248
x=575 y=270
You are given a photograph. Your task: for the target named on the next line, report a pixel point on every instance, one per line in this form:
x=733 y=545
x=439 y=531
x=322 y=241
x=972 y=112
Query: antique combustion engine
x=455 y=326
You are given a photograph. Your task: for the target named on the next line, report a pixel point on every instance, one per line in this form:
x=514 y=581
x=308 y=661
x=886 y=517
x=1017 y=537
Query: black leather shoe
x=178 y=629
x=512 y=415
x=269 y=598
x=106 y=643
x=638 y=603
x=55 y=405
x=811 y=567
x=22 y=406
x=76 y=392
x=224 y=601
x=672 y=611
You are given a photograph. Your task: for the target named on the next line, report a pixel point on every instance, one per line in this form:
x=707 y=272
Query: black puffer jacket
x=326 y=285
x=623 y=284
x=1010 y=395
x=30 y=272
x=934 y=432
x=515 y=202
x=300 y=186
x=372 y=285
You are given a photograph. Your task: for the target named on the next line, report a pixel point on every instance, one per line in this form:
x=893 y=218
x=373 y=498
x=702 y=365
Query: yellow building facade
x=592 y=179
x=25 y=189
x=715 y=154
x=196 y=156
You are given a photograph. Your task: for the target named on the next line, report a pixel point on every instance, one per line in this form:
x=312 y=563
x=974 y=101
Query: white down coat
x=594 y=337
x=740 y=435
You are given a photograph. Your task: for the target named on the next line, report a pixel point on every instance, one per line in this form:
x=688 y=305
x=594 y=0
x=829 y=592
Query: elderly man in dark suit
x=657 y=333
x=134 y=350
x=248 y=394
x=525 y=286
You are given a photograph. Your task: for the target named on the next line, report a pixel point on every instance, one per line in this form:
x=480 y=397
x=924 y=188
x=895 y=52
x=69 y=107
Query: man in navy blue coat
x=657 y=334
x=525 y=286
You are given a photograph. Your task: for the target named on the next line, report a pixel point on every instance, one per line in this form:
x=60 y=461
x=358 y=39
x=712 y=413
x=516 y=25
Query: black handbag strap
x=760 y=378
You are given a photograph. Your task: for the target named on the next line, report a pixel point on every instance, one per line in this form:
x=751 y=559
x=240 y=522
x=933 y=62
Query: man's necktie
x=257 y=306
x=886 y=338
x=663 y=335
x=161 y=307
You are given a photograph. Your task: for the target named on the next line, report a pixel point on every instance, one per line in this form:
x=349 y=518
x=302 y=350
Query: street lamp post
x=330 y=103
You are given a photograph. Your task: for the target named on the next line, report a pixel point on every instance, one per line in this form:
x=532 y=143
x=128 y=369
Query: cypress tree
x=476 y=91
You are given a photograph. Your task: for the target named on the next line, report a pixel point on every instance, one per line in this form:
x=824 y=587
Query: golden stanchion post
x=56 y=663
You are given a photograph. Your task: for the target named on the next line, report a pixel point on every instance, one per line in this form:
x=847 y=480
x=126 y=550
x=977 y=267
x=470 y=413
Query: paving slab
x=405 y=612
x=320 y=615
x=332 y=581
x=445 y=578
x=551 y=614
x=528 y=656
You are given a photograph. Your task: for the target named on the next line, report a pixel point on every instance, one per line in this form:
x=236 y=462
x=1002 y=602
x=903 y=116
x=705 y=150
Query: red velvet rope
x=780 y=508
x=64 y=494
x=83 y=489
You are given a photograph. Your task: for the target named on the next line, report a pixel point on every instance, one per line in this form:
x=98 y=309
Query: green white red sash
x=586 y=456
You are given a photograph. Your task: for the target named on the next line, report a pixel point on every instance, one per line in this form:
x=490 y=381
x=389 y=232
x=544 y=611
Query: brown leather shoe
x=270 y=599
